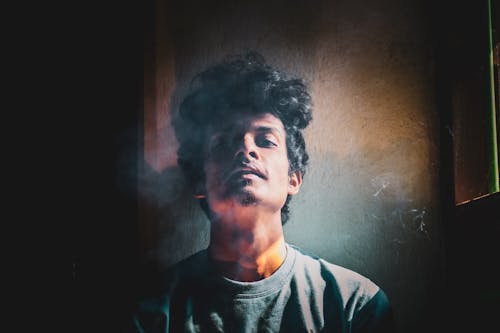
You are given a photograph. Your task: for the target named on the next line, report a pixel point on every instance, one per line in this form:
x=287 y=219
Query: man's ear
x=199 y=191
x=294 y=182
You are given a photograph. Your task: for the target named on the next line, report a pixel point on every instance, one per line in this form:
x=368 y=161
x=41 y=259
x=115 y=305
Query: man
x=243 y=151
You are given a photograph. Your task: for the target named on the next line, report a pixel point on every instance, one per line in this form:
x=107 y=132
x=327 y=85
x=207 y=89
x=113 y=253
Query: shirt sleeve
x=149 y=322
x=375 y=317
x=151 y=316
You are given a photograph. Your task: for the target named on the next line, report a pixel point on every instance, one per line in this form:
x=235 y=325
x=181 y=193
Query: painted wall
x=370 y=198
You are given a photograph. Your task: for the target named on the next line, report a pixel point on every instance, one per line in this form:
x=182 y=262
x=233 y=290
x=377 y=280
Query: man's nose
x=246 y=149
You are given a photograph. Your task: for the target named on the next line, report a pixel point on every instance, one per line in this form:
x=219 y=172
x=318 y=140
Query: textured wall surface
x=370 y=198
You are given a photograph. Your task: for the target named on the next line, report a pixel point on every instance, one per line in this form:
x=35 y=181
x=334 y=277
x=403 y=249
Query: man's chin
x=248 y=200
x=243 y=194
x=245 y=197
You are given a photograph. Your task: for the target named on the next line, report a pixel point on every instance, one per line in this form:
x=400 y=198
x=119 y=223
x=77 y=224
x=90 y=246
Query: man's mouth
x=244 y=173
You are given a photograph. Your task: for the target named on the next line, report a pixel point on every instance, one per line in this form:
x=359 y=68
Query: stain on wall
x=370 y=198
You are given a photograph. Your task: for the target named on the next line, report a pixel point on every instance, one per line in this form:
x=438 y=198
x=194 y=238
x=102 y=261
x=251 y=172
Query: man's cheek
x=214 y=184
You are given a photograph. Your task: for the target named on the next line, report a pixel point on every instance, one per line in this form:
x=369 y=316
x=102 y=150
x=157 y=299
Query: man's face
x=246 y=164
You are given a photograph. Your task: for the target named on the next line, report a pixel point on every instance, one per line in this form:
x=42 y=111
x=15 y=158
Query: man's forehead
x=245 y=121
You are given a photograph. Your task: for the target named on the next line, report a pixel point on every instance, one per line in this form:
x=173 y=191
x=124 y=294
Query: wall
x=371 y=196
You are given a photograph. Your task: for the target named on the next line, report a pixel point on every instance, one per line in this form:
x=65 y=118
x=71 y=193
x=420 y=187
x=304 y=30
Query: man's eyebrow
x=260 y=129
x=267 y=129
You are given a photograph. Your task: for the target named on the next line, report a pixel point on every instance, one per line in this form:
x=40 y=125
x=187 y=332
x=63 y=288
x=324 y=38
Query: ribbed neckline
x=262 y=287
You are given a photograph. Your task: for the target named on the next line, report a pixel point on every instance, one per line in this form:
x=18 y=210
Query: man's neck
x=248 y=250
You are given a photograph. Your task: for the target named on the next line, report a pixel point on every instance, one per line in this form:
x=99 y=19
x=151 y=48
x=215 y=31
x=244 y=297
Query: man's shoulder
x=194 y=264
x=347 y=282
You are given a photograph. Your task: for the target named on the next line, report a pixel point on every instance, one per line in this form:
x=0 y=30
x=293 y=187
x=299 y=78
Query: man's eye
x=265 y=141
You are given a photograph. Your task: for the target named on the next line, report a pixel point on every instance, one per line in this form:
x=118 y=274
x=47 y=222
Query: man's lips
x=240 y=172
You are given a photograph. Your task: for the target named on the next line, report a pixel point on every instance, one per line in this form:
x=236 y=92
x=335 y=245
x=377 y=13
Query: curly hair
x=241 y=81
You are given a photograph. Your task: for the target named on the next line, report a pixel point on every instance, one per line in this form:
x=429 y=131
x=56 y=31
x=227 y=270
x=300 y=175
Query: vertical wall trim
x=494 y=184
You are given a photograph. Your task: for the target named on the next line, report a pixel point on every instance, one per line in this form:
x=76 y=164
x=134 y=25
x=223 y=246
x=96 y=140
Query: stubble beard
x=243 y=195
